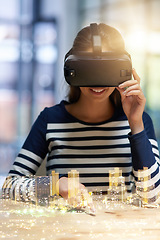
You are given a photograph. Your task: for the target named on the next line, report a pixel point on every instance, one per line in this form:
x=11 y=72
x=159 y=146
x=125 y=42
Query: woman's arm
x=145 y=156
x=28 y=161
x=144 y=148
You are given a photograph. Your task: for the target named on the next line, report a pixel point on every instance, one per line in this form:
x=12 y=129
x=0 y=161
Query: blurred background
x=34 y=37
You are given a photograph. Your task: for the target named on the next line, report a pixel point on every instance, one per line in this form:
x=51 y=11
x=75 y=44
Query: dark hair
x=111 y=38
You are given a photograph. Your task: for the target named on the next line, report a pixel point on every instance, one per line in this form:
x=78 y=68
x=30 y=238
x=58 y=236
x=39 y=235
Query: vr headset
x=97 y=68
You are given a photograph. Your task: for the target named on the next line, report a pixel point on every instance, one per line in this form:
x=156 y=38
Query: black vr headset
x=97 y=68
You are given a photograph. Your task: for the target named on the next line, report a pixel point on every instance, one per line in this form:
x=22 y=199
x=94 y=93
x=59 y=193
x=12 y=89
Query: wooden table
x=19 y=221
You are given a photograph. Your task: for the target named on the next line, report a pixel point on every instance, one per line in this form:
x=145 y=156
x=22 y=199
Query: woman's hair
x=111 y=39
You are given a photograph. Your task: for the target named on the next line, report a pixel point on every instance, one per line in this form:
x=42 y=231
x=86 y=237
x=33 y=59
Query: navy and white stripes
x=92 y=150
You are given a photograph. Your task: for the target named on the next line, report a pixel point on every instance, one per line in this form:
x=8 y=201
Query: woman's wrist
x=136 y=127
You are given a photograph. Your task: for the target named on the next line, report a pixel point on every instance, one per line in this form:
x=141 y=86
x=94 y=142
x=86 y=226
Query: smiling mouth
x=97 y=90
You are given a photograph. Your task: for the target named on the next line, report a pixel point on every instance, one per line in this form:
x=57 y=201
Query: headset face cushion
x=107 y=69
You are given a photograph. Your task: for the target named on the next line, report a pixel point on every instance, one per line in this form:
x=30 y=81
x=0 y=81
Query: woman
x=99 y=128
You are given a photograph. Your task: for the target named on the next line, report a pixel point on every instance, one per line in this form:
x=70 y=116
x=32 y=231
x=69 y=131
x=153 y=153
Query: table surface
x=114 y=221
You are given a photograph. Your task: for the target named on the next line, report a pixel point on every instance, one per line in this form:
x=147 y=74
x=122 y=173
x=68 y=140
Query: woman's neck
x=91 y=111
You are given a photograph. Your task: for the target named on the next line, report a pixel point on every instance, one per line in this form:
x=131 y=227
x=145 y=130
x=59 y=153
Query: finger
x=135 y=75
x=137 y=93
x=128 y=83
x=92 y=208
x=131 y=88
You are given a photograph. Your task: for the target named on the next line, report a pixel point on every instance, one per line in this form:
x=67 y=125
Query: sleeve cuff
x=136 y=138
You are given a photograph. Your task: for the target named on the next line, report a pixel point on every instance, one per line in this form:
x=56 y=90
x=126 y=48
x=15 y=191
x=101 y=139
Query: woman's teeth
x=98 y=91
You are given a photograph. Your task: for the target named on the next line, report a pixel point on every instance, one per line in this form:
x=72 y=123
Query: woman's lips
x=97 y=91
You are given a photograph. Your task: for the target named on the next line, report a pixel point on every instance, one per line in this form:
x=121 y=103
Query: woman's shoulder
x=55 y=113
x=57 y=107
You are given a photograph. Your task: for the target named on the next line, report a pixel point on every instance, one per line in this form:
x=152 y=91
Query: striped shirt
x=91 y=148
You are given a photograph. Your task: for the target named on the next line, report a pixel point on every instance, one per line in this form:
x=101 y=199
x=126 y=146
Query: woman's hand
x=81 y=200
x=63 y=187
x=133 y=102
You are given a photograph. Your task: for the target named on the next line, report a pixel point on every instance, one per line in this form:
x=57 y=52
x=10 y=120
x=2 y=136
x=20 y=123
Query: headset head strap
x=96 y=38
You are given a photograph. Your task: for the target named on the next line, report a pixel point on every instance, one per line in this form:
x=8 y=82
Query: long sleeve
x=33 y=150
x=27 y=162
x=145 y=155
